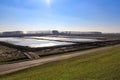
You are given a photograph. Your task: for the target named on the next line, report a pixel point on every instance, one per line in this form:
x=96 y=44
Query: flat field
x=103 y=65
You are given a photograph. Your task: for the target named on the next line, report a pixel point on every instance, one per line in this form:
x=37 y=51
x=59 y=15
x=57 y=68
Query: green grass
x=103 y=65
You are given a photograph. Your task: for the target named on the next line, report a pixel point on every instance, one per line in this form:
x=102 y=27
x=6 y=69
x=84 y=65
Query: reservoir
x=66 y=39
x=43 y=41
x=33 y=42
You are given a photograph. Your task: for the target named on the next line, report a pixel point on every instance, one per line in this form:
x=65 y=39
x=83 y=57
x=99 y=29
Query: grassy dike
x=103 y=65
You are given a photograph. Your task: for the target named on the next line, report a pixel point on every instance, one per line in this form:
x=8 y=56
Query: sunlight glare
x=48 y=2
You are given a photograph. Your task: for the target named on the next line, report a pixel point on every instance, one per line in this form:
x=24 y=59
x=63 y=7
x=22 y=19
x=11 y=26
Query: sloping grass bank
x=103 y=65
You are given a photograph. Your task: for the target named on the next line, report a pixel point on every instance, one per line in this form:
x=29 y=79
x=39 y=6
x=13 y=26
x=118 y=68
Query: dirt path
x=9 y=68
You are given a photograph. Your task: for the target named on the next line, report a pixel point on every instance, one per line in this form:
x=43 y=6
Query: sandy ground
x=9 y=68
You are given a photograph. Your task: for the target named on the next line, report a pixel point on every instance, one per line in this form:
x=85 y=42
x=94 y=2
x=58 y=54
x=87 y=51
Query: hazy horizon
x=62 y=15
x=48 y=30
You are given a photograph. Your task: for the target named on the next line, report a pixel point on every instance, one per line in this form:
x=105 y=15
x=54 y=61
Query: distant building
x=80 y=33
x=39 y=32
x=96 y=33
x=13 y=33
x=55 y=32
x=0 y=33
x=44 y=33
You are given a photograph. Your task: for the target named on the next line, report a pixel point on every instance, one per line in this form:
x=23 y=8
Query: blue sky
x=67 y=15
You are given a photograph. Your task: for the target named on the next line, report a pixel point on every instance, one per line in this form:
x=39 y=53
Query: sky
x=63 y=15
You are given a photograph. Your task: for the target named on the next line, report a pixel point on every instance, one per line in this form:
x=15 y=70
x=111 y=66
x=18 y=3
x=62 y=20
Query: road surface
x=9 y=68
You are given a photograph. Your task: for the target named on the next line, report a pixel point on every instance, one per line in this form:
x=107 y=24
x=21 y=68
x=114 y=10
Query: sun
x=48 y=2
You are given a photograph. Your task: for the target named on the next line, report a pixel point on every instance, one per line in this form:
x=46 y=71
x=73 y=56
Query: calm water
x=67 y=39
x=33 y=42
x=41 y=42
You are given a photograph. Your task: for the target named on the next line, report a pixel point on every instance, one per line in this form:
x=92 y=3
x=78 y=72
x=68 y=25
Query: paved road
x=9 y=68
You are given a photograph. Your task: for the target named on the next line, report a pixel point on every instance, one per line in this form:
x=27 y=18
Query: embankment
x=18 y=51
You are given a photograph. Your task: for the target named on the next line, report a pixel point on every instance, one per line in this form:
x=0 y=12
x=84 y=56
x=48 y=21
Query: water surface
x=33 y=42
x=67 y=39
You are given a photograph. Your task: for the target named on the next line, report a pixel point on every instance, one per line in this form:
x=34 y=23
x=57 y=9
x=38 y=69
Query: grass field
x=103 y=65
